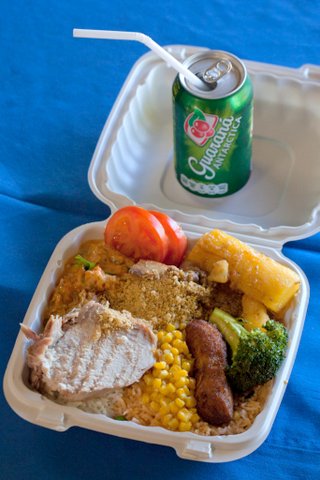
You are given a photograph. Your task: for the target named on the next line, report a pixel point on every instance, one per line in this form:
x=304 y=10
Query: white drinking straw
x=142 y=38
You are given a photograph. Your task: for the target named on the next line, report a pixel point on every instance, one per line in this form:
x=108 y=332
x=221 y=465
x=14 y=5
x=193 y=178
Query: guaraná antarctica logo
x=199 y=126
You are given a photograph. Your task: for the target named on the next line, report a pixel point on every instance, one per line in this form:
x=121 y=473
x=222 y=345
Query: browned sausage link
x=212 y=392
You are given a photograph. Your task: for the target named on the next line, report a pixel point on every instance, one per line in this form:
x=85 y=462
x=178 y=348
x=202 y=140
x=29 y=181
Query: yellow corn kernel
x=168 y=357
x=179 y=344
x=154 y=406
x=183 y=396
x=155 y=373
x=182 y=326
x=166 y=346
x=164 y=401
x=188 y=358
x=160 y=335
x=158 y=355
x=157 y=383
x=174 y=368
x=174 y=351
x=190 y=402
x=180 y=373
x=185 y=426
x=181 y=382
x=163 y=390
x=177 y=360
x=154 y=395
x=179 y=402
x=170 y=388
x=170 y=327
x=145 y=398
x=181 y=393
x=163 y=374
x=178 y=334
x=173 y=407
x=173 y=424
x=160 y=365
x=148 y=379
x=184 y=415
x=169 y=378
x=186 y=365
x=194 y=418
x=164 y=409
x=185 y=349
x=166 y=419
x=186 y=388
x=163 y=352
x=168 y=337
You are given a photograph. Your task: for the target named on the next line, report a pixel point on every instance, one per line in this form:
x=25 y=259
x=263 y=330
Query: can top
x=222 y=74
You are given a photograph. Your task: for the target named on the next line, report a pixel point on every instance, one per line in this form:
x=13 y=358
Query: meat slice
x=149 y=268
x=212 y=392
x=96 y=350
x=153 y=269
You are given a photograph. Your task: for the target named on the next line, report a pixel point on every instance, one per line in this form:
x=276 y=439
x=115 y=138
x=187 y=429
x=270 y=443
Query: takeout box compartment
x=132 y=164
x=41 y=411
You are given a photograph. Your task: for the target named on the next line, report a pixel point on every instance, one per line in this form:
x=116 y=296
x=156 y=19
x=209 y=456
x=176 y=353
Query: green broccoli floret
x=256 y=354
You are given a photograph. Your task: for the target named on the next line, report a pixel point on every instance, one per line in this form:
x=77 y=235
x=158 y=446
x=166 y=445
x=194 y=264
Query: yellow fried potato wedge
x=250 y=271
x=254 y=313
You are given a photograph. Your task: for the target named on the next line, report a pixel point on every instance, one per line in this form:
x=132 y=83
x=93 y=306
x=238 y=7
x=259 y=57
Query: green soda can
x=213 y=125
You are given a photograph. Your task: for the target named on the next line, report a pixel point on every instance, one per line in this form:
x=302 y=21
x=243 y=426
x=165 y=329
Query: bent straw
x=142 y=38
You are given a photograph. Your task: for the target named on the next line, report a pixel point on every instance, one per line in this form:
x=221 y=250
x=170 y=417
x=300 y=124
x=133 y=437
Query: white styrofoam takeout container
x=132 y=164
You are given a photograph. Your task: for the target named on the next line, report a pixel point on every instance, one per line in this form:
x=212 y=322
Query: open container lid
x=133 y=160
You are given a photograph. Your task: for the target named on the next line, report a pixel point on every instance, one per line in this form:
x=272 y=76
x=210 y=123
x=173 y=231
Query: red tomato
x=136 y=233
x=177 y=239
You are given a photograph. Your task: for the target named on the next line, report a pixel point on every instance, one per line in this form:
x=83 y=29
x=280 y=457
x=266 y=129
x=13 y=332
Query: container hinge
x=195 y=450
x=311 y=72
x=53 y=419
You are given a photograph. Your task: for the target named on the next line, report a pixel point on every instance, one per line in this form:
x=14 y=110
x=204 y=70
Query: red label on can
x=199 y=126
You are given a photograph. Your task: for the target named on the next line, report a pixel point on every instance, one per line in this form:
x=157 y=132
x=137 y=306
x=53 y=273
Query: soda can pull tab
x=217 y=71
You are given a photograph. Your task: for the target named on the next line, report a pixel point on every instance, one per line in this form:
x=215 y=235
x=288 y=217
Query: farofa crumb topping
x=174 y=299
x=112 y=320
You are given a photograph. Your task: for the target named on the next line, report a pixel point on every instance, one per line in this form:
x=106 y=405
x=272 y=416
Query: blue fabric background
x=55 y=95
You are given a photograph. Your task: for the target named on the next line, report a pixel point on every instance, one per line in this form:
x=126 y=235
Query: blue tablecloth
x=55 y=94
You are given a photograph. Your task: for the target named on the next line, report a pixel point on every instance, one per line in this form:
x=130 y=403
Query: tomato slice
x=136 y=233
x=176 y=236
